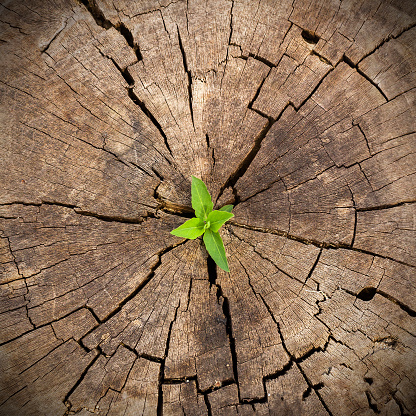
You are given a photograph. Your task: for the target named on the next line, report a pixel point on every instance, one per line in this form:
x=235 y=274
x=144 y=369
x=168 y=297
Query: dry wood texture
x=301 y=113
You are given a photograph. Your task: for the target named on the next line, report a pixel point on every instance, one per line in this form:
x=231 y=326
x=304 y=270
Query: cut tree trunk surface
x=301 y=114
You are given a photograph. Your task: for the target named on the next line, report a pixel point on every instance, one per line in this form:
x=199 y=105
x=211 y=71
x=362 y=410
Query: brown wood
x=301 y=114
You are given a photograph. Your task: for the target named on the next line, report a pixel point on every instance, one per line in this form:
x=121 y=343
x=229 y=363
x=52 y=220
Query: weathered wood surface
x=300 y=113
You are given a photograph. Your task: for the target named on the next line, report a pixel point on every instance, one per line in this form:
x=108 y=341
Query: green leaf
x=227 y=208
x=215 y=248
x=192 y=229
x=217 y=219
x=201 y=199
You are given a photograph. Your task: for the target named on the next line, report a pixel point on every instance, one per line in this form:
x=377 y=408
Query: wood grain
x=301 y=114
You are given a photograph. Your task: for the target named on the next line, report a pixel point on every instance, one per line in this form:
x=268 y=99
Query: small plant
x=207 y=222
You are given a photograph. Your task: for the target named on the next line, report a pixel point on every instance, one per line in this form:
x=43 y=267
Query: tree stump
x=301 y=114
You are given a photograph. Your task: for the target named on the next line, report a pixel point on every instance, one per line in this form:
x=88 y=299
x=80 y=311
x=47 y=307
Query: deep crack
x=246 y=162
x=159 y=409
x=81 y=378
x=364 y=75
x=189 y=75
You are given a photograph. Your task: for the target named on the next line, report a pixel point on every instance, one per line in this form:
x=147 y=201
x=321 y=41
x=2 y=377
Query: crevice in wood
x=102 y=21
x=257 y=400
x=245 y=163
x=401 y=406
x=281 y=372
x=242 y=168
x=159 y=176
x=298 y=360
x=135 y=99
x=365 y=137
x=149 y=357
x=45 y=48
x=371 y=404
x=14 y=26
x=13 y=257
x=97 y=14
x=316 y=243
x=318 y=304
x=354 y=232
x=250 y=104
x=158 y=9
x=144 y=282
x=264 y=258
x=231 y=33
x=35 y=204
x=115 y=218
x=181 y=380
x=322 y=58
x=229 y=331
x=212 y=271
x=189 y=294
x=364 y=75
x=49 y=324
x=229 y=44
x=360 y=250
x=365 y=176
x=368 y=293
x=207 y=404
x=402 y=306
x=313 y=268
x=18 y=89
x=127 y=347
x=287 y=366
x=369 y=380
x=151 y=117
x=231 y=23
x=146 y=111
x=41 y=358
x=262 y=60
x=219 y=385
x=316 y=388
x=133 y=164
x=167 y=206
x=387 y=206
x=129 y=39
x=306 y=393
x=260 y=113
x=81 y=378
x=175 y=209
x=212 y=150
x=159 y=410
x=163 y=21
x=27 y=310
x=387 y=39
x=188 y=73
x=313 y=91
x=14 y=394
x=284 y=234
x=228 y=326
x=84 y=141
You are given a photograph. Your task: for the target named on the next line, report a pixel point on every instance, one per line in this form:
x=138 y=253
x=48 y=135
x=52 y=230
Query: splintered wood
x=301 y=114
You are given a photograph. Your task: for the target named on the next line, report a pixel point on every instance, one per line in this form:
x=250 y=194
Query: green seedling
x=207 y=222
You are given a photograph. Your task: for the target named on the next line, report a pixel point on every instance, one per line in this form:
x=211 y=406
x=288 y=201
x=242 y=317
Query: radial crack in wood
x=301 y=114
